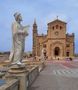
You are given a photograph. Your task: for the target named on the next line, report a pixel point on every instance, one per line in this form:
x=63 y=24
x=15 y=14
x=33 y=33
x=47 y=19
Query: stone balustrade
x=32 y=75
x=21 y=81
x=12 y=84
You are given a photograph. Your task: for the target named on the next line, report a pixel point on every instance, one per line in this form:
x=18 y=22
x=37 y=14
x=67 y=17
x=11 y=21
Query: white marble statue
x=19 y=33
x=43 y=57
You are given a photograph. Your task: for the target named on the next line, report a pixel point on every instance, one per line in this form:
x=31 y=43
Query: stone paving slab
x=47 y=80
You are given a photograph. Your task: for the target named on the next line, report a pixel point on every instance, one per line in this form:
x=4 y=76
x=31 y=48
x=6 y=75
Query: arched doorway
x=56 y=51
x=67 y=53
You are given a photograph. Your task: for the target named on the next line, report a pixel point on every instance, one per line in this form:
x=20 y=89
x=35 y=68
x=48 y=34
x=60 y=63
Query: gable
x=57 y=21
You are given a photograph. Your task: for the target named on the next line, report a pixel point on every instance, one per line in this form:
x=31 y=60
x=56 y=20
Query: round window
x=56 y=33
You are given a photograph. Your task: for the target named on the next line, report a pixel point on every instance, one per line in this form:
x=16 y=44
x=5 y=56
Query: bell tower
x=34 y=38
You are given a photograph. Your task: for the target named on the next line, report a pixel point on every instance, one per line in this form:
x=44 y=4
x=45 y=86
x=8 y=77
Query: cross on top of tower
x=57 y=17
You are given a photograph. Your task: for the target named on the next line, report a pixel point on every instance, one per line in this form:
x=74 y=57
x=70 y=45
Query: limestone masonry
x=57 y=42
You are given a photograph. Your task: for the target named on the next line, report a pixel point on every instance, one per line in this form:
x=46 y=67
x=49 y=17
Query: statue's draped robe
x=18 y=32
x=42 y=54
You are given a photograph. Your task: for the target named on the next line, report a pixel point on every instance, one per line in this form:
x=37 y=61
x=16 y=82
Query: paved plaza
x=57 y=75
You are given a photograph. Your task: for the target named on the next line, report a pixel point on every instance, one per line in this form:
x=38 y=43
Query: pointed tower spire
x=35 y=25
x=35 y=21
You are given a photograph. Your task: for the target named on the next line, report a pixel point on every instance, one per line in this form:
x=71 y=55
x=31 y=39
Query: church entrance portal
x=56 y=51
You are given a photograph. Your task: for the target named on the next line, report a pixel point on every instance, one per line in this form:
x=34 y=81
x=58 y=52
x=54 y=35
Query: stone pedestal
x=5 y=63
x=19 y=73
x=21 y=77
x=16 y=69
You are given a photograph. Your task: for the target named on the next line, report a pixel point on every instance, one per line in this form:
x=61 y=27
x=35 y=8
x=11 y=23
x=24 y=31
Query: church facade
x=57 y=43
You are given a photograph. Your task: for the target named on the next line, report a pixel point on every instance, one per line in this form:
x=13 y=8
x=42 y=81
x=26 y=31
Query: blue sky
x=44 y=11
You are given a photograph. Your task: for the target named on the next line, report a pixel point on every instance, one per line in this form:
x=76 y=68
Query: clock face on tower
x=56 y=33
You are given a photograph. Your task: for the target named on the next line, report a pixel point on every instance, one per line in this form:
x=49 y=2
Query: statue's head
x=18 y=16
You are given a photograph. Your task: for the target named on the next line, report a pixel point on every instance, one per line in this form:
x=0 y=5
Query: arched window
x=53 y=27
x=57 y=26
x=61 y=27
